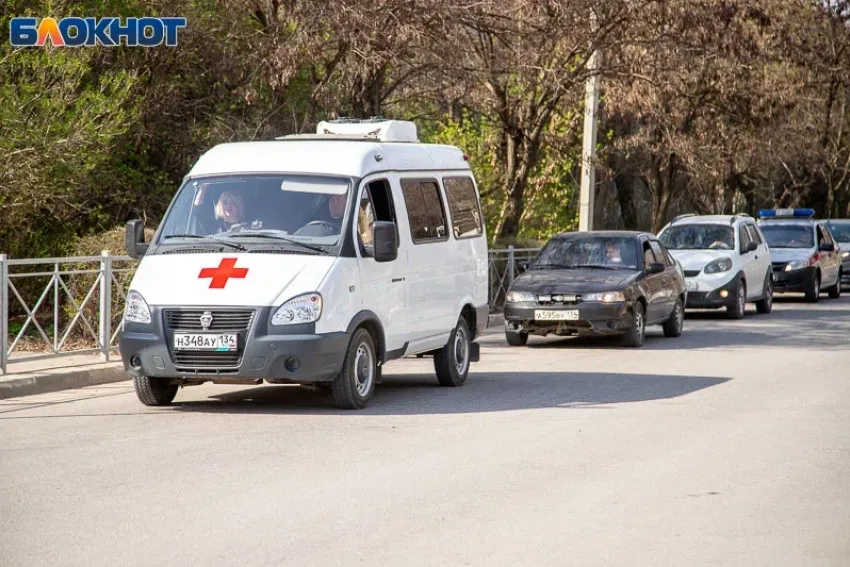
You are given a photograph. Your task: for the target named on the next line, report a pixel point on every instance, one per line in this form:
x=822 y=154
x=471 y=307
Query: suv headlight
x=604 y=297
x=136 y=309
x=305 y=308
x=795 y=265
x=520 y=297
x=718 y=266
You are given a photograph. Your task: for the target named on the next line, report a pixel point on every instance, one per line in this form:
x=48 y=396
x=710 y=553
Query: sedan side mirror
x=523 y=266
x=752 y=246
x=827 y=247
x=385 y=241
x=135 y=239
x=655 y=268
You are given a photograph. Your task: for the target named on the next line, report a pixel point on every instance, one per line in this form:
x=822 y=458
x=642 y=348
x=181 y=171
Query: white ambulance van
x=310 y=259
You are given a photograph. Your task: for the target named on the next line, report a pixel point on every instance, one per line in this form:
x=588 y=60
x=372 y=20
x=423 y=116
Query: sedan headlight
x=136 y=309
x=795 y=265
x=520 y=297
x=305 y=308
x=604 y=297
x=718 y=266
x=845 y=255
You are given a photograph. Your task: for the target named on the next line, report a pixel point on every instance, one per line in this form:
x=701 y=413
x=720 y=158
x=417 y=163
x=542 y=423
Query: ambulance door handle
x=396 y=280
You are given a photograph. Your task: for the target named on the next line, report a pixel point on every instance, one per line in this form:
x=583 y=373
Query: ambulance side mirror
x=384 y=241
x=135 y=239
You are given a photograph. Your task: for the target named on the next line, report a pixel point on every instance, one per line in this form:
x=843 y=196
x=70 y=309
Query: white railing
x=77 y=291
x=80 y=301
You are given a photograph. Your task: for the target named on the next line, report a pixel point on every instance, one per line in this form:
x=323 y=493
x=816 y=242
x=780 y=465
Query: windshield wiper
x=202 y=237
x=597 y=267
x=278 y=237
x=550 y=266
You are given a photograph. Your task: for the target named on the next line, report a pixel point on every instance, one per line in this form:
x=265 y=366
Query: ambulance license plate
x=553 y=315
x=223 y=342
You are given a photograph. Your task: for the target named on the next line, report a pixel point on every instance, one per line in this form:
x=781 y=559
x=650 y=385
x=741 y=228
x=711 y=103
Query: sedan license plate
x=201 y=341
x=691 y=285
x=560 y=315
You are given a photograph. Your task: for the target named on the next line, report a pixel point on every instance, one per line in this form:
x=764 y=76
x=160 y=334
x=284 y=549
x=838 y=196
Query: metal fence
x=74 y=305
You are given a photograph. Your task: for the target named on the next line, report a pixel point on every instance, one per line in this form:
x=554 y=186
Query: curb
x=54 y=380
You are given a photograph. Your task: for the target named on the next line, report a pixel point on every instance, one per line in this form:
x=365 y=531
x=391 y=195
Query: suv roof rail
x=738 y=215
x=680 y=217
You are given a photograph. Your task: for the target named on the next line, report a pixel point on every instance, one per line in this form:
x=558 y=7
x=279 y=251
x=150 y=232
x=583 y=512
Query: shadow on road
x=418 y=394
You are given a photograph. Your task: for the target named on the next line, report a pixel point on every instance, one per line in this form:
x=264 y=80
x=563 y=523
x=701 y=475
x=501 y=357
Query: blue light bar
x=786 y=213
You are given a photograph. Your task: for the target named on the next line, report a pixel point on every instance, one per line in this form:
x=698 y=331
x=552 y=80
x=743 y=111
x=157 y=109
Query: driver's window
x=648 y=256
x=365 y=218
x=744 y=237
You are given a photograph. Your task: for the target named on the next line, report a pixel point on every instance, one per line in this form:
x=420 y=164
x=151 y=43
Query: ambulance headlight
x=302 y=309
x=136 y=309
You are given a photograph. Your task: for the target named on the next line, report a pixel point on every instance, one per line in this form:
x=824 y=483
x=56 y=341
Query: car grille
x=208 y=362
x=190 y=320
x=558 y=299
x=692 y=273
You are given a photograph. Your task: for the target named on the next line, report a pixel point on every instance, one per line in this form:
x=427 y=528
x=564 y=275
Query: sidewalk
x=27 y=378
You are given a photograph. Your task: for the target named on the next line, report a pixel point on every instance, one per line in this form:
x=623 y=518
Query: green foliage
x=58 y=125
x=552 y=201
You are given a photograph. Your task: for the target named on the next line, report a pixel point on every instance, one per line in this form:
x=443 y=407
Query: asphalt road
x=729 y=445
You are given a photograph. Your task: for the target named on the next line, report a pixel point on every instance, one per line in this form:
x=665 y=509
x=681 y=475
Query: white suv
x=726 y=261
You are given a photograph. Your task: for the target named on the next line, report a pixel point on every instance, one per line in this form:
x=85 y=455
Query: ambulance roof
x=357 y=149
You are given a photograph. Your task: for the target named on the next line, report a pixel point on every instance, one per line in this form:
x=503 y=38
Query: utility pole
x=588 y=154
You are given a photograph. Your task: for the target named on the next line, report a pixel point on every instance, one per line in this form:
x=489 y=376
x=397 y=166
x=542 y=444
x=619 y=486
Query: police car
x=804 y=254
x=310 y=259
x=840 y=229
x=726 y=261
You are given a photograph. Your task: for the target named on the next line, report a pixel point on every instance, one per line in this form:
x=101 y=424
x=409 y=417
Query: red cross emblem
x=224 y=272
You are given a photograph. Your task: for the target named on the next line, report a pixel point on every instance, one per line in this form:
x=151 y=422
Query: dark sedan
x=598 y=283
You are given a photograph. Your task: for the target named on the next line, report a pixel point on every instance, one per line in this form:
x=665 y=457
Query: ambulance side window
x=424 y=210
x=376 y=204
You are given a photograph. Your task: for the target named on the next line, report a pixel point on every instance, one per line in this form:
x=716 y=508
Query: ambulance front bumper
x=293 y=353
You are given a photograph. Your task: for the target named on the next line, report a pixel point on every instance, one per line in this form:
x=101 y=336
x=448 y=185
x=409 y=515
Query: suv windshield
x=589 y=251
x=840 y=230
x=788 y=235
x=292 y=209
x=699 y=237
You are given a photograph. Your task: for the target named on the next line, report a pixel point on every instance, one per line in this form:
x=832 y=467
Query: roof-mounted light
x=786 y=213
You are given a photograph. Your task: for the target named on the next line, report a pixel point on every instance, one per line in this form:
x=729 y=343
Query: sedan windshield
x=788 y=236
x=840 y=230
x=590 y=251
x=304 y=211
x=699 y=237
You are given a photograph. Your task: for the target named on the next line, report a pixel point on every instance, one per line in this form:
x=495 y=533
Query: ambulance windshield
x=302 y=208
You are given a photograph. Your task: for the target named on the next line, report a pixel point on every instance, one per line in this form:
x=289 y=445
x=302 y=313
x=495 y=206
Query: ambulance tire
x=451 y=362
x=154 y=391
x=354 y=387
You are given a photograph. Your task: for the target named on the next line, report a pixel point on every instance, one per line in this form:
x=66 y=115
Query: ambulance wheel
x=354 y=386
x=154 y=391
x=451 y=362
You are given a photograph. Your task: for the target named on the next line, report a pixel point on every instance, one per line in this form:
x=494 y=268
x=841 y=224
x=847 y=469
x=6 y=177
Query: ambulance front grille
x=205 y=360
x=190 y=320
